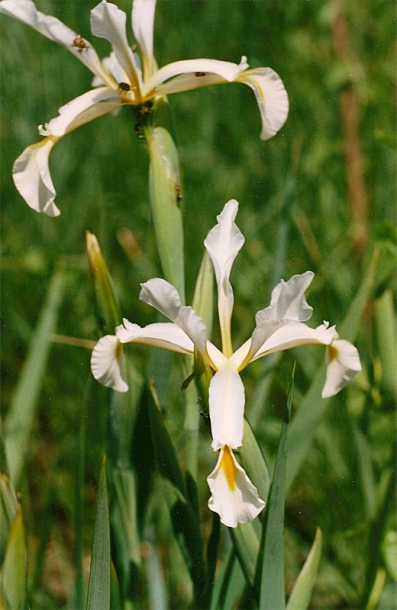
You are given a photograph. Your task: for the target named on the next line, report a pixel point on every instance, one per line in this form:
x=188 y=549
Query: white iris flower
x=125 y=78
x=278 y=327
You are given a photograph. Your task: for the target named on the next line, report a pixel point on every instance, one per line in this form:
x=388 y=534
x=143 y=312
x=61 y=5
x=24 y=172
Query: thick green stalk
x=165 y=196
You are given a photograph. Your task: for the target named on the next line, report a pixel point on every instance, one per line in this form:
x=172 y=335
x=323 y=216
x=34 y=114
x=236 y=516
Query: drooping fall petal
x=31 y=172
x=343 y=362
x=32 y=177
x=107 y=363
x=226 y=398
x=271 y=97
x=234 y=497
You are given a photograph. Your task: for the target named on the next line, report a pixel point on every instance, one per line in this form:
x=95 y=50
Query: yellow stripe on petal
x=229 y=468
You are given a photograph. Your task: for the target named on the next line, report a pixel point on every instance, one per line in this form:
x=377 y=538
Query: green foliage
x=99 y=585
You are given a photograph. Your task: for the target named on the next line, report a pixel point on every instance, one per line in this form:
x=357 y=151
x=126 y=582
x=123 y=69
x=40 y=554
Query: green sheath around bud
x=165 y=194
x=104 y=288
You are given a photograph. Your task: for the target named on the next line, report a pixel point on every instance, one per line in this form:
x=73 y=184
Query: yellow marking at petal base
x=228 y=467
x=332 y=353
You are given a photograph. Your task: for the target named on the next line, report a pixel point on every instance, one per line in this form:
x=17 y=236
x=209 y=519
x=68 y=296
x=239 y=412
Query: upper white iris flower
x=125 y=78
x=278 y=327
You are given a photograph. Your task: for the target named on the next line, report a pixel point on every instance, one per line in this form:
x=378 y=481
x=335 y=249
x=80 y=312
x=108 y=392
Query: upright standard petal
x=343 y=362
x=165 y=298
x=288 y=300
x=161 y=334
x=226 y=400
x=33 y=179
x=223 y=243
x=271 y=96
x=107 y=365
x=109 y=22
x=143 y=24
x=234 y=497
x=288 y=304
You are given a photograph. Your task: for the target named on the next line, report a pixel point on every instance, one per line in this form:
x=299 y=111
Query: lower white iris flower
x=278 y=327
x=126 y=78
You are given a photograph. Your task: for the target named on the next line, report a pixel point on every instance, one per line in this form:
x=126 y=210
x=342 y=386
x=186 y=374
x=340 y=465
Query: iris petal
x=32 y=177
x=107 y=363
x=162 y=334
x=233 y=497
x=227 y=398
x=271 y=97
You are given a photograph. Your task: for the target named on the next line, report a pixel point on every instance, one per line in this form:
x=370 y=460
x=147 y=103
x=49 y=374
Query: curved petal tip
x=106 y=363
x=32 y=177
x=234 y=497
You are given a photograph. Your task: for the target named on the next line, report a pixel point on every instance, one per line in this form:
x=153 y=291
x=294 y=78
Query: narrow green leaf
x=253 y=462
x=389 y=549
x=164 y=194
x=22 y=408
x=203 y=299
x=303 y=588
x=8 y=500
x=246 y=543
x=115 y=601
x=99 y=585
x=385 y=319
x=183 y=512
x=269 y=577
x=377 y=589
x=229 y=584
x=312 y=407
x=203 y=304
x=272 y=588
x=13 y=570
x=366 y=470
x=212 y=556
x=156 y=581
x=386 y=496
x=126 y=512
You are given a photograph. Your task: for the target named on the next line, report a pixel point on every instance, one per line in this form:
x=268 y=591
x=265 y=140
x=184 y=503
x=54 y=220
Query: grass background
x=295 y=212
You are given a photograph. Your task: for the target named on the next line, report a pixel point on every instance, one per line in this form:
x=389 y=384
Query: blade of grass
x=13 y=570
x=385 y=319
x=229 y=585
x=99 y=585
x=378 y=529
x=253 y=462
x=303 y=588
x=246 y=544
x=269 y=576
x=156 y=581
x=183 y=512
x=80 y=593
x=22 y=408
